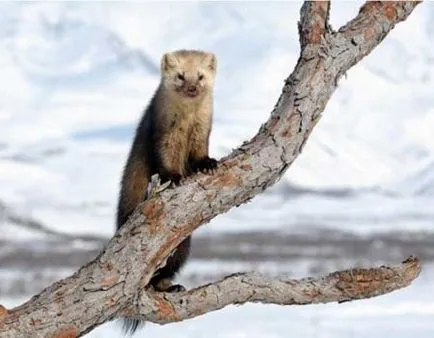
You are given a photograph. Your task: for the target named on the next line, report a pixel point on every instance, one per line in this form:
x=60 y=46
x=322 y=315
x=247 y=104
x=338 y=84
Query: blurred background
x=75 y=78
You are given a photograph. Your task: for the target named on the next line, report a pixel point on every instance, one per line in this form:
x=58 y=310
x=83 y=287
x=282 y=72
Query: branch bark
x=240 y=288
x=114 y=283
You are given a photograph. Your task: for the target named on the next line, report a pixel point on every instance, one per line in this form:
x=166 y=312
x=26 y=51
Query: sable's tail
x=130 y=325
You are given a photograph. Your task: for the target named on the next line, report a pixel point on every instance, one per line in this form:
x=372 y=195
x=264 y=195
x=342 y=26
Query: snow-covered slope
x=76 y=76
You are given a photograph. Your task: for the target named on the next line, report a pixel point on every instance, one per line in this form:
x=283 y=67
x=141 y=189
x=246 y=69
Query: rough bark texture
x=240 y=288
x=108 y=286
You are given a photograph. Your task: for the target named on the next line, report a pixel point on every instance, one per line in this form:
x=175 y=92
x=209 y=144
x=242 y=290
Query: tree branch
x=240 y=288
x=314 y=23
x=108 y=286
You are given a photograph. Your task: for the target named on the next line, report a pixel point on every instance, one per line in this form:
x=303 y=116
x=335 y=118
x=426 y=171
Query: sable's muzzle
x=191 y=90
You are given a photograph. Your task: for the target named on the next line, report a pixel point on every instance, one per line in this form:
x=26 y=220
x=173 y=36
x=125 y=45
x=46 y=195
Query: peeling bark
x=114 y=283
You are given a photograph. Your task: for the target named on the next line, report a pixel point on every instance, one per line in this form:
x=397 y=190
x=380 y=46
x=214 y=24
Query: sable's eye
x=200 y=77
x=181 y=77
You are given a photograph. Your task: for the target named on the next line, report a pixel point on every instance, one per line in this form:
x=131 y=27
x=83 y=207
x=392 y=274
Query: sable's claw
x=175 y=178
x=206 y=164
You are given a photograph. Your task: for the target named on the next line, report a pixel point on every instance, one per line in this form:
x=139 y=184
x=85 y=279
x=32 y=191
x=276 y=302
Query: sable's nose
x=192 y=90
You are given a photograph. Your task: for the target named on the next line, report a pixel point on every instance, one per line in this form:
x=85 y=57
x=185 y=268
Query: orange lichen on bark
x=154 y=212
x=316 y=32
x=390 y=11
x=70 y=332
x=371 y=10
x=109 y=280
x=166 y=310
x=153 y=209
x=316 y=29
x=387 y=8
x=369 y=33
x=3 y=313
x=228 y=179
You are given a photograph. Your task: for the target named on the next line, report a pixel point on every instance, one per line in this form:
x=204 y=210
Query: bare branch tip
x=412 y=266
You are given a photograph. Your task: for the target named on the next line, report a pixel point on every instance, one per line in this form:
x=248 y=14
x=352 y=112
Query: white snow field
x=76 y=76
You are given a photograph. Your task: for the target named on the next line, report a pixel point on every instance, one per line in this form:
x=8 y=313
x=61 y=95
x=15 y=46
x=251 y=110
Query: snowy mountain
x=76 y=77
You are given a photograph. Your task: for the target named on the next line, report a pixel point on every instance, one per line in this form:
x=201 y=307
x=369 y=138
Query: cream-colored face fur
x=189 y=73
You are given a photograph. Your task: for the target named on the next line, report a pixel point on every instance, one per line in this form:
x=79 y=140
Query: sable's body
x=171 y=140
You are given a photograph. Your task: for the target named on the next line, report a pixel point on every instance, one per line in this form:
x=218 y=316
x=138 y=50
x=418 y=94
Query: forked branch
x=114 y=283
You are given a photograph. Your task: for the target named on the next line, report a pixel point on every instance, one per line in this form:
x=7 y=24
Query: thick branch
x=375 y=20
x=242 y=288
x=314 y=22
x=108 y=286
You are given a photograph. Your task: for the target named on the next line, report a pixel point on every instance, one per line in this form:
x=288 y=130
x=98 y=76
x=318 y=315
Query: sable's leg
x=162 y=280
x=199 y=159
x=172 y=155
x=172 y=176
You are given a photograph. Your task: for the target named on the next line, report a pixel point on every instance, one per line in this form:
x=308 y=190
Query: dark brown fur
x=171 y=140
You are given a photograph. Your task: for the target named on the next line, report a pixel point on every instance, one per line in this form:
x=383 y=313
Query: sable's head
x=190 y=73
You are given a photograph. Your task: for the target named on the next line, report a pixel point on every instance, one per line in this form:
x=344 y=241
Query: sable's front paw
x=174 y=177
x=205 y=164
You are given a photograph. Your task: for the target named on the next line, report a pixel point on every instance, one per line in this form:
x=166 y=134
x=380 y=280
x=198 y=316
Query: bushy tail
x=130 y=326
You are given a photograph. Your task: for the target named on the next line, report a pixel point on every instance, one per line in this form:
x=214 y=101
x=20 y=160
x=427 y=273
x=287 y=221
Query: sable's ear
x=168 y=61
x=212 y=61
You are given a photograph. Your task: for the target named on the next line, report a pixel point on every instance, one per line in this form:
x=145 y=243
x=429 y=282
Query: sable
x=171 y=140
